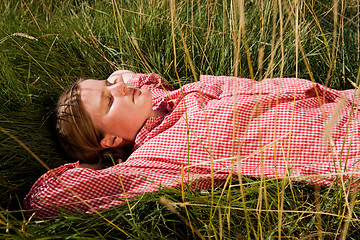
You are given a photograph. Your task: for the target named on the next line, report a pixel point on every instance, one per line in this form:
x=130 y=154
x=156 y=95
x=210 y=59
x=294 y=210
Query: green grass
x=46 y=44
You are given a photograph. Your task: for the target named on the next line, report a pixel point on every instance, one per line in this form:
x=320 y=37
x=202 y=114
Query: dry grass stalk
x=174 y=19
x=333 y=52
x=164 y=201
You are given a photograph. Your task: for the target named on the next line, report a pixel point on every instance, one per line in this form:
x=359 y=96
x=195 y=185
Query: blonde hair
x=77 y=134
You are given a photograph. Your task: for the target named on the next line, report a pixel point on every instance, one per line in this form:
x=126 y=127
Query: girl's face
x=117 y=110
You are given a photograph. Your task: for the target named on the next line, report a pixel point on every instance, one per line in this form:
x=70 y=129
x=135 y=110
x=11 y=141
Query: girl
x=197 y=134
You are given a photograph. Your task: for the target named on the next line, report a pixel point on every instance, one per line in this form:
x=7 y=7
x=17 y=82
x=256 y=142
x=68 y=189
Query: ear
x=110 y=141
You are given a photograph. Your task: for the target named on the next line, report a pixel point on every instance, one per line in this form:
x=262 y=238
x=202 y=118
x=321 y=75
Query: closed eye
x=110 y=102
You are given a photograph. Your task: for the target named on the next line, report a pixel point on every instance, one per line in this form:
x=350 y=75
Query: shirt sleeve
x=75 y=190
x=78 y=190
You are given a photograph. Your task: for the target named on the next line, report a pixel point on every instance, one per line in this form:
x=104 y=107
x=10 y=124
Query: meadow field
x=45 y=45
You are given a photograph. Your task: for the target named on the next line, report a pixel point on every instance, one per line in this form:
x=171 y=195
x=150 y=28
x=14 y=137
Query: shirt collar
x=149 y=125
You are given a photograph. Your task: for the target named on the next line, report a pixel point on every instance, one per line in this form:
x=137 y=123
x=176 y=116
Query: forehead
x=91 y=84
x=91 y=92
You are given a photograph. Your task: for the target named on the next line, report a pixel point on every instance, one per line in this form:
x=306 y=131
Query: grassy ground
x=47 y=44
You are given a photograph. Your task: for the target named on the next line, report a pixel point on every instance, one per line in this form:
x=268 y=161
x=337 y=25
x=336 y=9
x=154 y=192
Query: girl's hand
x=120 y=75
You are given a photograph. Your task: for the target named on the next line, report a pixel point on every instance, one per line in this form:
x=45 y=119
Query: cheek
x=112 y=124
x=147 y=98
x=146 y=93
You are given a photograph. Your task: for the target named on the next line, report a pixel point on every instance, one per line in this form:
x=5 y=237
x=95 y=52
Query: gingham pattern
x=273 y=128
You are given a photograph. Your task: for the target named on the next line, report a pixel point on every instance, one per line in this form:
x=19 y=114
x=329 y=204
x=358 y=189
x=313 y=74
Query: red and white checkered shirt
x=273 y=128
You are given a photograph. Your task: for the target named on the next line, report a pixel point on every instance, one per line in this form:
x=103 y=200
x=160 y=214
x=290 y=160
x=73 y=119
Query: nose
x=119 y=88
